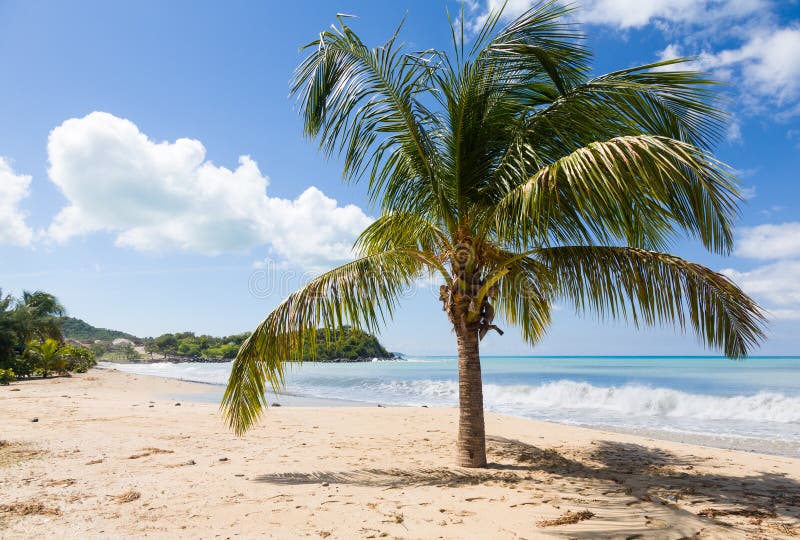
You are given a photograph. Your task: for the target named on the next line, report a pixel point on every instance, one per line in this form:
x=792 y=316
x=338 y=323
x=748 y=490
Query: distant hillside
x=349 y=344
x=345 y=346
x=73 y=328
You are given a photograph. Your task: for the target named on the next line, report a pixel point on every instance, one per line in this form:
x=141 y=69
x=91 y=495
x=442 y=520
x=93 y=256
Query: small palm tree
x=507 y=172
x=47 y=355
x=37 y=315
x=8 y=336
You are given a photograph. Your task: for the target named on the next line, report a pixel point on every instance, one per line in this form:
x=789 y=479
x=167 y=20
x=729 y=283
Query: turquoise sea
x=752 y=404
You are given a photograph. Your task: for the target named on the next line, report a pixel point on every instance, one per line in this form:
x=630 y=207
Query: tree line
x=31 y=340
x=343 y=344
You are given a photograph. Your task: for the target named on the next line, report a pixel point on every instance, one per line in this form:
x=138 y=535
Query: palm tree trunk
x=471 y=431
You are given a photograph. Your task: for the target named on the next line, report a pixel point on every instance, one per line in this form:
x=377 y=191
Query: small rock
x=223 y=459
x=34 y=419
x=14 y=390
x=151 y=406
x=379 y=405
x=325 y=484
x=191 y=462
x=238 y=475
x=276 y=404
x=177 y=404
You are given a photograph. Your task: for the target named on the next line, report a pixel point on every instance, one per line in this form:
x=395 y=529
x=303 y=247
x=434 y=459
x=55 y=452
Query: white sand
x=361 y=472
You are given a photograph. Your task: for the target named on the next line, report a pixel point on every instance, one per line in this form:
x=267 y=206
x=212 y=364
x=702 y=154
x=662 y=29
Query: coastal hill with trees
x=347 y=345
x=37 y=338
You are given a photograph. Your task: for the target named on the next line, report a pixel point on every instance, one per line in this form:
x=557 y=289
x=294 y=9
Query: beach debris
x=149 y=451
x=60 y=483
x=783 y=528
x=178 y=404
x=29 y=508
x=753 y=513
x=324 y=534
x=223 y=459
x=34 y=419
x=184 y=464
x=94 y=462
x=567 y=518
x=276 y=404
x=129 y=496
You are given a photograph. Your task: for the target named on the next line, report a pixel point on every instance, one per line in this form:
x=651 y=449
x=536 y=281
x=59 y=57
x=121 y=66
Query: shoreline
x=110 y=455
x=721 y=441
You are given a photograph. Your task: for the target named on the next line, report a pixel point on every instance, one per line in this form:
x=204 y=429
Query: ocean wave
x=562 y=400
x=635 y=400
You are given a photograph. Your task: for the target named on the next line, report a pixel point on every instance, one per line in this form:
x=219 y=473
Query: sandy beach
x=113 y=455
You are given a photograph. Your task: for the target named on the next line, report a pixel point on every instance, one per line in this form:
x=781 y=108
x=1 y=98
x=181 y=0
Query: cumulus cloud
x=626 y=14
x=766 y=65
x=158 y=196
x=770 y=241
x=13 y=189
x=636 y=13
x=777 y=283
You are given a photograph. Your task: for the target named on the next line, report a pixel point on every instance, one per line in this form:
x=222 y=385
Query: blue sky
x=155 y=178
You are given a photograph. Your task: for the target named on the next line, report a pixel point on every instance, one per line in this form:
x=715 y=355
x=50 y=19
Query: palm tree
x=8 y=336
x=507 y=172
x=47 y=354
x=37 y=314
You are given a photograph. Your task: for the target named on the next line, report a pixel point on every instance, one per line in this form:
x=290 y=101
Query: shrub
x=22 y=366
x=7 y=376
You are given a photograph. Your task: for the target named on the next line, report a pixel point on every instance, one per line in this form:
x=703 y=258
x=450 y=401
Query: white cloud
x=785 y=314
x=13 y=188
x=777 y=282
x=635 y=13
x=168 y=196
x=768 y=64
x=638 y=13
x=748 y=193
x=770 y=242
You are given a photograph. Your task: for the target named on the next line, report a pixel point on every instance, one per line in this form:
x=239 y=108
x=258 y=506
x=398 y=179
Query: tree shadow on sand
x=637 y=474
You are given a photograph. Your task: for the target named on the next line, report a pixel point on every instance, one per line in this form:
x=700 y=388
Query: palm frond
x=638 y=190
x=649 y=287
x=362 y=294
x=362 y=104
x=402 y=230
x=525 y=296
x=541 y=45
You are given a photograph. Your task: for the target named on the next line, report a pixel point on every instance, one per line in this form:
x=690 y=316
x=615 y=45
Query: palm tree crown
x=507 y=171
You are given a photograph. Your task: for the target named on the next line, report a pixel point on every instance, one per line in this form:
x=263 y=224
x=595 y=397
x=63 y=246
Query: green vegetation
x=7 y=376
x=31 y=342
x=504 y=170
x=38 y=339
x=344 y=344
x=79 y=330
x=187 y=345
